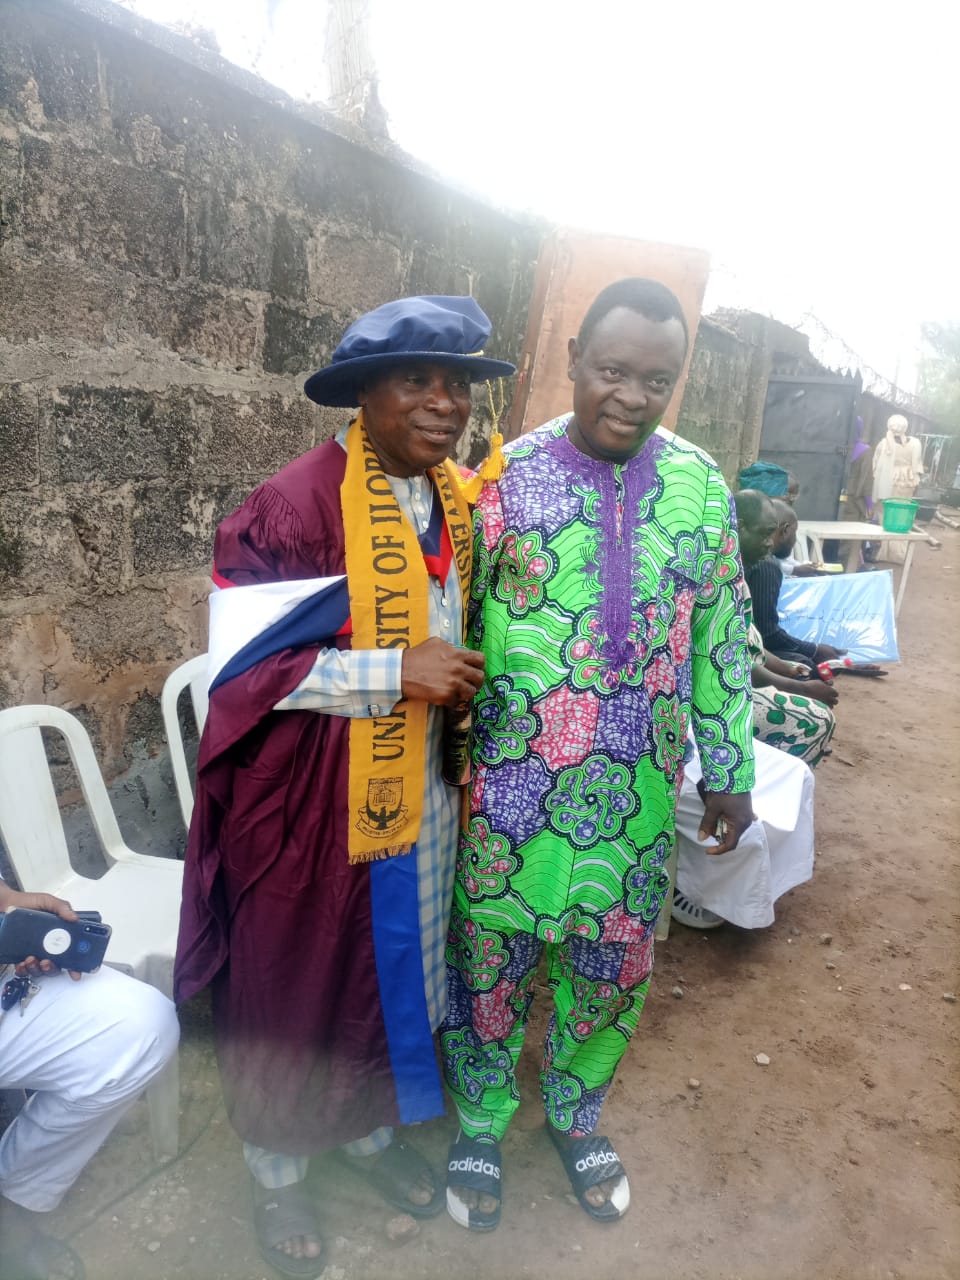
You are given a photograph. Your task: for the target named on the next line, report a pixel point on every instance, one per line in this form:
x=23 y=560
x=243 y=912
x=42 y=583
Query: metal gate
x=809 y=426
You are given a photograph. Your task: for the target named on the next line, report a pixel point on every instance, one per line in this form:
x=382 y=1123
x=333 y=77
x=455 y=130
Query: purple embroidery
x=620 y=488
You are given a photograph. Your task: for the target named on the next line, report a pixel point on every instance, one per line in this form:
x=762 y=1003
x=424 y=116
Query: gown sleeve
x=263 y=541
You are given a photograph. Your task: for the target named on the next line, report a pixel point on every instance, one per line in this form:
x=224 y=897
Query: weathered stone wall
x=179 y=244
x=722 y=407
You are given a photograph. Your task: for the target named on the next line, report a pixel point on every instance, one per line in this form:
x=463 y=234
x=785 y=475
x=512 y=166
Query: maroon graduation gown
x=273 y=916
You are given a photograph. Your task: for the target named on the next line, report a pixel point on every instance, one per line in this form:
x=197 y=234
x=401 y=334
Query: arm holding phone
x=32 y=928
x=102 y=1042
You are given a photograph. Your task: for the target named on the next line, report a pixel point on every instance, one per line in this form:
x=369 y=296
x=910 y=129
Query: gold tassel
x=492 y=468
x=494 y=465
x=375 y=855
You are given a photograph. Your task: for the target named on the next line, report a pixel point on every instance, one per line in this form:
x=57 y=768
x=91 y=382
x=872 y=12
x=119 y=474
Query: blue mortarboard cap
x=442 y=330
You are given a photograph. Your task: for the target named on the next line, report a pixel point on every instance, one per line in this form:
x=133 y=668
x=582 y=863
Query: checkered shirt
x=366 y=682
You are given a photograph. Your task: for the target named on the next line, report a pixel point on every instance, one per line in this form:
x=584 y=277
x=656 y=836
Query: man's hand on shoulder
x=440 y=673
x=726 y=817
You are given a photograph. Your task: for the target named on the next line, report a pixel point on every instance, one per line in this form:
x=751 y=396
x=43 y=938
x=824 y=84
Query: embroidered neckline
x=618 y=488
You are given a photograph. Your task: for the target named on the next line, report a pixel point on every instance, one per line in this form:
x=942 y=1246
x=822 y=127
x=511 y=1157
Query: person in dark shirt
x=786 y=539
x=758 y=524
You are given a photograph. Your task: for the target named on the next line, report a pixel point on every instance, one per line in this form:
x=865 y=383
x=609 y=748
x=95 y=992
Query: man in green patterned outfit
x=607 y=605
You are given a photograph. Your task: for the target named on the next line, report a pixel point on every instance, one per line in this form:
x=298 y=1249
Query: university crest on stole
x=384 y=813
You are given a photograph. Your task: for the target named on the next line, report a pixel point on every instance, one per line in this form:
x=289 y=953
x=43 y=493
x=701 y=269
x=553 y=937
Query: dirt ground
x=838 y=1161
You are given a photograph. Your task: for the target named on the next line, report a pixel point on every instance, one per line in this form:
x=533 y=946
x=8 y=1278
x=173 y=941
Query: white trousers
x=88 y=1048
x=774 y=854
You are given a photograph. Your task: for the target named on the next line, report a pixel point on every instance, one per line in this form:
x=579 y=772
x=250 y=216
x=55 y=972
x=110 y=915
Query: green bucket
x=899 y=514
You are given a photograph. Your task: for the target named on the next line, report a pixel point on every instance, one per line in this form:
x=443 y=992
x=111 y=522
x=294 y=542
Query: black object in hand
x=78 y=945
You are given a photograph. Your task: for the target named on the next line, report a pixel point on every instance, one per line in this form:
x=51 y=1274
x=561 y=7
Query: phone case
x=71 y=944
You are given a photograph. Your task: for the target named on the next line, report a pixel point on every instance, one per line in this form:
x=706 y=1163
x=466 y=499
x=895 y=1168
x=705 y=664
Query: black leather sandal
x=393 y=1172
x=281 y=1215
x=476 y=1165
x=588 y=1162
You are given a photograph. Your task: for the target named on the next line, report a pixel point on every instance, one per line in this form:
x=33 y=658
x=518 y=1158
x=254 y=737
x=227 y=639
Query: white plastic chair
x=138 y=895
x=807 y=549
x=192 y=675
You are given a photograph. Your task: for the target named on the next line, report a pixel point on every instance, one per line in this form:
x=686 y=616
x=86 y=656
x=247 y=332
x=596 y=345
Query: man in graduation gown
x=320 y=862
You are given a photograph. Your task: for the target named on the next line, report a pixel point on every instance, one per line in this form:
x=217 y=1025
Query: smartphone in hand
x=78 y=945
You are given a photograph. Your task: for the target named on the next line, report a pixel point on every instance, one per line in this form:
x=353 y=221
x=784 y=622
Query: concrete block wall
x=179 y=245
x=722 y=407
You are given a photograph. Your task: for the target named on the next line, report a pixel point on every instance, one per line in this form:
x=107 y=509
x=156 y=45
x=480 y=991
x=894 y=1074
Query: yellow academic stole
x=387 y=580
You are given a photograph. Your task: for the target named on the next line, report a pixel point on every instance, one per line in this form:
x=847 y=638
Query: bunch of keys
x=18 y=990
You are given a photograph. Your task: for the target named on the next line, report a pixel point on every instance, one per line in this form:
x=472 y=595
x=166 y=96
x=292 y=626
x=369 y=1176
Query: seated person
x=785 y=541
x=87 y=1051
x=758 y=523
x=791 y=712
x=773 y=855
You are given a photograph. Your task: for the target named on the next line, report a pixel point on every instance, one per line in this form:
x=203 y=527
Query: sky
x=811 y=149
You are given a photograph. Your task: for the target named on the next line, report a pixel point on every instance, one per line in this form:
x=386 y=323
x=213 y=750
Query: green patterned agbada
x=608 y=609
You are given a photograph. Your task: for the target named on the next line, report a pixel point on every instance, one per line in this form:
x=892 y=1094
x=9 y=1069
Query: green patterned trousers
x=598 y=994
